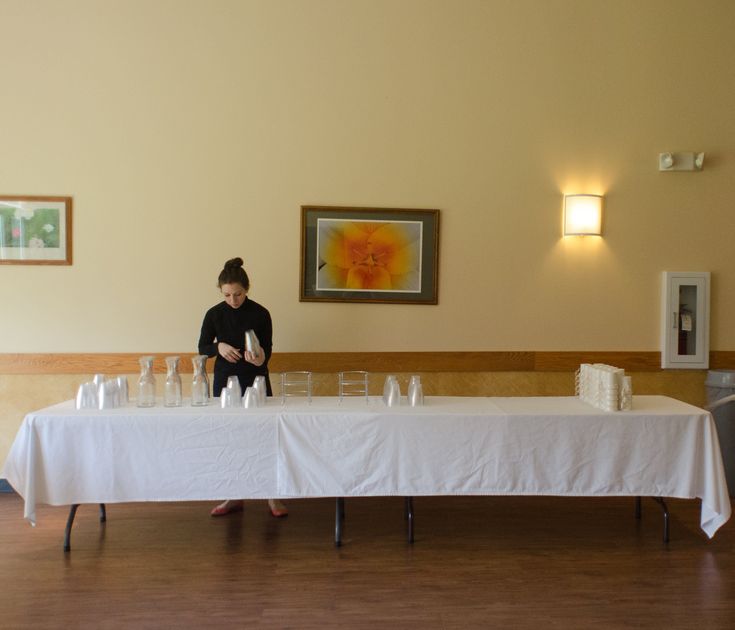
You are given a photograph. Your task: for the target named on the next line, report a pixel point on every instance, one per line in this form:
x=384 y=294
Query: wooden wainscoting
x=522 y=361
x=33 y=381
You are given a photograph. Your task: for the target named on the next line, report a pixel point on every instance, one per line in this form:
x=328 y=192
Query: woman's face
x=234 y=294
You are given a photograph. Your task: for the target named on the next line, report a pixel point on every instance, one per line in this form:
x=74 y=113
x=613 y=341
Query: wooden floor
x=489 y=562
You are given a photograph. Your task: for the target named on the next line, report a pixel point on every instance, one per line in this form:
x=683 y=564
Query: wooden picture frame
x=376 y=255
x=35 y=230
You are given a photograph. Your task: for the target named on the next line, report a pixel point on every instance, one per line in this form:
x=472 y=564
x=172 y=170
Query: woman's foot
x=228 y=507
x=277 y=508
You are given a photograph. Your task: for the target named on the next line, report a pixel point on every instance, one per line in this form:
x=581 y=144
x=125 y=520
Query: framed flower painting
x=369 y=255
x=35 y=230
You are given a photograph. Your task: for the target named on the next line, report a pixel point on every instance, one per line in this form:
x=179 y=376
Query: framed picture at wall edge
x=35 y=230
x=373 y=255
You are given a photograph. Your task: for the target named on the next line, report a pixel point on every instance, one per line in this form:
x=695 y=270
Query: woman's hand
x=228 y=352
x=255 y=359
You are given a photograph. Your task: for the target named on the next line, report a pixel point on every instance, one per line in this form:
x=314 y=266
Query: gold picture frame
x=35 y=230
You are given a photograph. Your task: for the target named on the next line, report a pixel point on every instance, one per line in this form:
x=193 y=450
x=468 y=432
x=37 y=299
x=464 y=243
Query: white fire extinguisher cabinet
x=685 y=320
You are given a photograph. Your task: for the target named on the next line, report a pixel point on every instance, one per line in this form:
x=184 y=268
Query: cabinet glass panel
x=687 y=336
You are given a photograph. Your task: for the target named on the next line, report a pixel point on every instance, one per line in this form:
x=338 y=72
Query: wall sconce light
x=582 y=215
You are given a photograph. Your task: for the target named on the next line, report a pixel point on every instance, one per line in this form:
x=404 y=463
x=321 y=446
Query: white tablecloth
x=450 y=446
x=63 y=456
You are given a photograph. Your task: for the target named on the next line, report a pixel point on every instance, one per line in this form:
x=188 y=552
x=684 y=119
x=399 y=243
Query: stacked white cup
x=603 y=386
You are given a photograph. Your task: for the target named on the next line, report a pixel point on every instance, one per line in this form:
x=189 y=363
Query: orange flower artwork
x=369 y=255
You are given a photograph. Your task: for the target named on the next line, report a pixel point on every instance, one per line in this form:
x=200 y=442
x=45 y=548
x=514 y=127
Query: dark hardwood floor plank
x=490 y=562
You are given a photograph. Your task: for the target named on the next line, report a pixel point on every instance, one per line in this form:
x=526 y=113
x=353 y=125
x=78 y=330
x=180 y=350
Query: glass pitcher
x=146 y=383
x=172 y=393
x=200 y=382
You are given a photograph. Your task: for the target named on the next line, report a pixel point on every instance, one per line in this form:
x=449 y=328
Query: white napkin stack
x=604 y=386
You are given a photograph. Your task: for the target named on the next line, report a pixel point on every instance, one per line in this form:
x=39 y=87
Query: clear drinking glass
x=232 y=393
x=251 y=342
x=394 y=394
x=122 y=385
x=225 y=398
x=260 y=387
x=146 y=383
x=389 y=380
x=172 y=393
x=108 y=395
x=233 y=384
x=250 y=399
x=200 y=381
x=87 y=396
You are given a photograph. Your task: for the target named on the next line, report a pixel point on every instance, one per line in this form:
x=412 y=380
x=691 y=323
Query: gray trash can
x=721 y=384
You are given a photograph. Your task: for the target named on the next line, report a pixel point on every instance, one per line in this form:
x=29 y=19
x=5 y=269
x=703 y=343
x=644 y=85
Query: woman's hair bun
x=233 y=263
x=233 y=272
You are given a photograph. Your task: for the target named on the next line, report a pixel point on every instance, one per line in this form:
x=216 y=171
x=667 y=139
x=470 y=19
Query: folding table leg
x=339 y=517
x=409 y=517
x=69 y=523
x=665 y=508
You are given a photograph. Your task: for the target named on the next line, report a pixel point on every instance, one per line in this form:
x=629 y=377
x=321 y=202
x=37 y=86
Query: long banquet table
x=327 y=448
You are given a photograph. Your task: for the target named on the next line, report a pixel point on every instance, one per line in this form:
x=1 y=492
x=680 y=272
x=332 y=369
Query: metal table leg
x=70 y=522
x=664 y=507
x=339 y=517
x=409 y=517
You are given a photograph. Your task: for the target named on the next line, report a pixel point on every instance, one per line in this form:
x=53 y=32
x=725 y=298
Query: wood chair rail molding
x=331 y=362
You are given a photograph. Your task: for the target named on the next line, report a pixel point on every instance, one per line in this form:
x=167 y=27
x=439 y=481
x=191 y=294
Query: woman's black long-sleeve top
x=224 y=323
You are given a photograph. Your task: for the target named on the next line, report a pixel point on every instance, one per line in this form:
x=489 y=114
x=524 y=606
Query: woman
x=223 y=336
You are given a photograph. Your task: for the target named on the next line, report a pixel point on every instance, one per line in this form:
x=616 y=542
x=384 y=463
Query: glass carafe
x=146 y=383
x=199 y=382
x=172 y=393
x=415 y=391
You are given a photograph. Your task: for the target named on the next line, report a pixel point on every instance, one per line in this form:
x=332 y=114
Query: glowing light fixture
x=582 y=215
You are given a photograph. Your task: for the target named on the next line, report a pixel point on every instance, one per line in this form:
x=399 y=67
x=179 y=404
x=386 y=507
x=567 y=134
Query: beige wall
x=192 y=131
